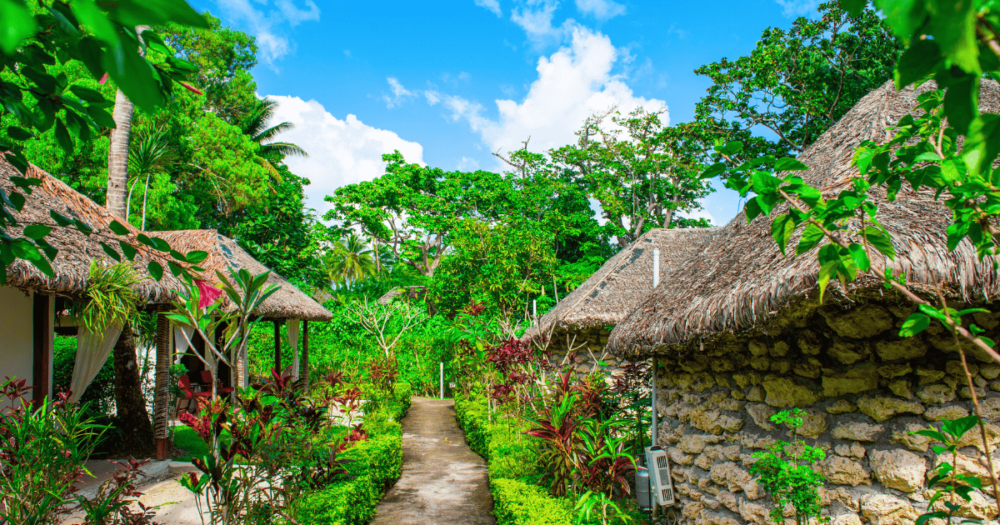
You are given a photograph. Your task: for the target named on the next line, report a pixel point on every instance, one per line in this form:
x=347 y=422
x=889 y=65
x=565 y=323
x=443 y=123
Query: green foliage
x=518 y=503
x=642 y=172
x=785 y=471
x=110 y=298
x=375 y=464
x=513 y=459
x=35 y=99
x=796 y=83
x=100 y=393
x=946 y=480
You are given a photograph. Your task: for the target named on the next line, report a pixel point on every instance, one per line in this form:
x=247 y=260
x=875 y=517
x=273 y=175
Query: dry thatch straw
x=287 y=303
x=76 y=250
x=740 y=280
x=623 y=282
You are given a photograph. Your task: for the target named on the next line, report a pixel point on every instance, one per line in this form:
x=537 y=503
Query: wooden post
x=305 y=354
x=42 y=336
x=161 y=396
x=277 y=346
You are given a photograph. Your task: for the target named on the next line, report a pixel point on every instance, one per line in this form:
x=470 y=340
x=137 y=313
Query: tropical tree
x=149 y=153
x=350 y=260
x=271 y=151
x=641 y=172
x=796 y=83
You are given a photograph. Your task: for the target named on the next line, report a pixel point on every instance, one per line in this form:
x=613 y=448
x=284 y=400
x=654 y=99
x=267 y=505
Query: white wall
x=16 y=347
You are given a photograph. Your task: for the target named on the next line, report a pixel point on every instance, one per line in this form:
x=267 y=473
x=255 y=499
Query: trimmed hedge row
x=375 y=464
x=511 y=457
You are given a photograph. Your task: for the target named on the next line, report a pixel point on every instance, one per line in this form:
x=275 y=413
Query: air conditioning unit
x=659 y=475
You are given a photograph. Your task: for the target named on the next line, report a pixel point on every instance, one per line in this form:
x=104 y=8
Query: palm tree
x=149 y=153
x=254 y=124
x=350 y=261
x=137 y=432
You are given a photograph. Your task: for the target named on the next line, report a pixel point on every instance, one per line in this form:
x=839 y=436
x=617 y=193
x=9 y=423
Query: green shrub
x=512 y=457
x=375 y=464
x=518 y=503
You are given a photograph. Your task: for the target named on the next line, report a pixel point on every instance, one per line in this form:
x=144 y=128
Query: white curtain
x=293 y=341
x=181 y=341
x=92 y=351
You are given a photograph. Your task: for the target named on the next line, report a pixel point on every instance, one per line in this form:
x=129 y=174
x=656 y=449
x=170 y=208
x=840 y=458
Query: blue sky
x=450 y=82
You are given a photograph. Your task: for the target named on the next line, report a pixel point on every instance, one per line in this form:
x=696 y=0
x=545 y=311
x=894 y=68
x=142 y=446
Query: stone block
x=856 y=380
x=899 y=469
x=858 y=431
x=860 y=322
x=730 y=475
x=894 y=370
x=949 y=412
x=761 y=415
x=785 y=393
x=929 y=375
x=847 y=352
x=843 y=471
x=886 y=509
x=911 y=440
x=841 y=406
x=756 y=394
x=901 y=348
x=780 y=349
x=882 y=408
x=901 y=388
x=938 y=393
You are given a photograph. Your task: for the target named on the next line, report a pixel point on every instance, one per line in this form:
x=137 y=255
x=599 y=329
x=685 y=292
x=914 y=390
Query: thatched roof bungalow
x=738 y=333
x=581 y=320
x=288 y=305
x=28 y=300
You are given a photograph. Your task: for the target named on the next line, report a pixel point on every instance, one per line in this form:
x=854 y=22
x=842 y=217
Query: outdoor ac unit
x=659 y=475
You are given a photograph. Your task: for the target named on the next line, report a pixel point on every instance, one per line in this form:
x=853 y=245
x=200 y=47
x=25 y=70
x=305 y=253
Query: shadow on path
x=443 y=481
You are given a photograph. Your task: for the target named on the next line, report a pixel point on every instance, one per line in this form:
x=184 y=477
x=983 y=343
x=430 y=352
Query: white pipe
x=656 y=267
x=442 y=379
x=534 y=308
x=652 y=399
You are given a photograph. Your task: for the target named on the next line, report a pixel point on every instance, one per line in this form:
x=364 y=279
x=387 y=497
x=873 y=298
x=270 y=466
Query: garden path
x=443 y=481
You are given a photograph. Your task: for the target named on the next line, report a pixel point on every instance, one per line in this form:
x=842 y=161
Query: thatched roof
x=287 y=303
x=740 y=280
x=76 y=250
x=623 y=282
x=412 y=292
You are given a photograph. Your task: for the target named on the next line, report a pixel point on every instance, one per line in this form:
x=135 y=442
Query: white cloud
x=433 y=97
x=399 y=93
x=341 y=152
x=600 y=9
x=266 y=22
x=575 y=82
x=296 y=16
x=796 y=8
x=535 y=19
x=492 y=5
x=467 y=164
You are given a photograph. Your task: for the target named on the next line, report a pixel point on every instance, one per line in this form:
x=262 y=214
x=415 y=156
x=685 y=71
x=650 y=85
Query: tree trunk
x=133 y=419
x=137 y=433
x=118 y=155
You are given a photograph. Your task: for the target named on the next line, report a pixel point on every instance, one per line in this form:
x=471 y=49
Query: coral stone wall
x=582 y=350
x=864 y=389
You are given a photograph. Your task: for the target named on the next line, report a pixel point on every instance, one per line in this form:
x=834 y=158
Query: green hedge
x=375 y=464
x=519 y=503
x=512 y=457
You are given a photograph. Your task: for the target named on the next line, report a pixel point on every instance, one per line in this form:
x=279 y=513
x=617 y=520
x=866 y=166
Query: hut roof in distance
x=287 y=303
x=740 y=280
x=623 y=282
x=76 y=249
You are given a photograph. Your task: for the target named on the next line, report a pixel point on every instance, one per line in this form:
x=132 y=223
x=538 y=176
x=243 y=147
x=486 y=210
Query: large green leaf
x=154 y=13
x=16 y=24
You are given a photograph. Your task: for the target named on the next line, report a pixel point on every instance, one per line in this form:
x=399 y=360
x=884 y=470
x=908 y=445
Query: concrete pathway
x=443 y=481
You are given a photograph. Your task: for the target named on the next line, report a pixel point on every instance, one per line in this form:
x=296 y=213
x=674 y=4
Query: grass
x=186 y=438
